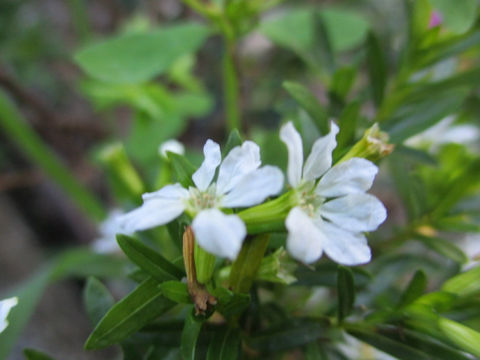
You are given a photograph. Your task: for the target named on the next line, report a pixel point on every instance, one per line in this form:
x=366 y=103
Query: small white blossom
x=5 y=306
x=106 y=243
x=171 y=145
x=241 y=182
x=330 y=214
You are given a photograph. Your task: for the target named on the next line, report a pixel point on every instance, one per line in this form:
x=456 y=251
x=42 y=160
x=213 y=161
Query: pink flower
x=435 y=19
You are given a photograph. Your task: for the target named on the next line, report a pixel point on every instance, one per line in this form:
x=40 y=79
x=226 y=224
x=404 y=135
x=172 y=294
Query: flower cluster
x=330 y=209
x=241 y=182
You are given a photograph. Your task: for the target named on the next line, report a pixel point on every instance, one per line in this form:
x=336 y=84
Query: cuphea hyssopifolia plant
x=326 y=208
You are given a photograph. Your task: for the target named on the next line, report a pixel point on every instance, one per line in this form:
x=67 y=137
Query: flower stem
x=230 y=86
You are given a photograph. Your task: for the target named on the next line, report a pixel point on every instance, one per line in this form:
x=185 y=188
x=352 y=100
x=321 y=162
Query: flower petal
x=355 y=212
x=255 y=187
x=320 y=158
x=349 y=177
x=305 y=240
x=158 y=208
x=171 y=145
x=5 y=306
x=240 y=161
x=344 y=247
x=219 y=234
x=205 y=173
x=290 y=136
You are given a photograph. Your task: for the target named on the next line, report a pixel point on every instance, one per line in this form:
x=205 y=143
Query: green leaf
x=346 y=292
x=225 y=345
x=342 y=81
x=348 y=123
x=137 y=309
x=97 y=300
x=17 y=129
x=31 y=354
x=234 y=139
x=190 y=333
x=140 y=56
x=464 y=337
x=396 y=348
x=287 y=335
x=310 y=104
x=444 y=247
x=176 y=291
x=415 y=288
x=435 y=349
x=229 y=303
x=464 y=284
x=149 y=260
x=182 y=169
x=420 y=11
x=377 y=68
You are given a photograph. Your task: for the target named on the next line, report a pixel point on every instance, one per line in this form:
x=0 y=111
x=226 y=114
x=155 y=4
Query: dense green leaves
x=129 y=315
x=140 y=56
x=149 y=260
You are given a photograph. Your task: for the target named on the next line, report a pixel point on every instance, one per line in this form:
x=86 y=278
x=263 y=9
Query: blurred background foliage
x=89 y=90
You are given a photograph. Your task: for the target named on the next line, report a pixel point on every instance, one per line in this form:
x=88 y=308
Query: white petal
x=171 y=145
x=290 y=136
x=240 y=161
x=219 y=234
x=320 y=158
x=355 y=212
x=158 y=208
x=205 y=173
x=352 y=176
x=305 y=240
x=255 y=187
x=344 y=247
x=5 y=306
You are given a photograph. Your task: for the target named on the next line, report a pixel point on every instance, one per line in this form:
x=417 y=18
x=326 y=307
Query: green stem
x=230 y=86
x=245 y=267
x=33 y=146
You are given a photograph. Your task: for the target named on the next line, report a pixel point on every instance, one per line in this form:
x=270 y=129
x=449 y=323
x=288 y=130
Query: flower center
x=201 y=200
x=307 y=199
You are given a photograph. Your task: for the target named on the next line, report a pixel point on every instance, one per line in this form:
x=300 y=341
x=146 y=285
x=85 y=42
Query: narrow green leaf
x=190 y=333
x=342 y=81
x=464 y=284
x=149 y=260
x=346 y=292
x=393 y=347
x=377 y=68
x=419 y=18
x=435 y=349
x=415 y=289
x=464 y=337
x=18 y=130
x=139 y=56
x=182 y=168
x=287 y=335
x=245 y=267
x=229 y=303
x=31 y=354
x=97 y=300
x=176 y=291
x=234 y=139
x=140 y=307
x=322 y=48
x=444 y=247
x=225 y=345
x=310 y=104
x=348 y=124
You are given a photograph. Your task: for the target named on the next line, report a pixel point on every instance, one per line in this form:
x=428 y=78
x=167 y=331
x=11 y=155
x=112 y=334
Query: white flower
x=106 y=243
x=5 y=307
x=171 y=145
x=330 y=214
x=241 y=182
